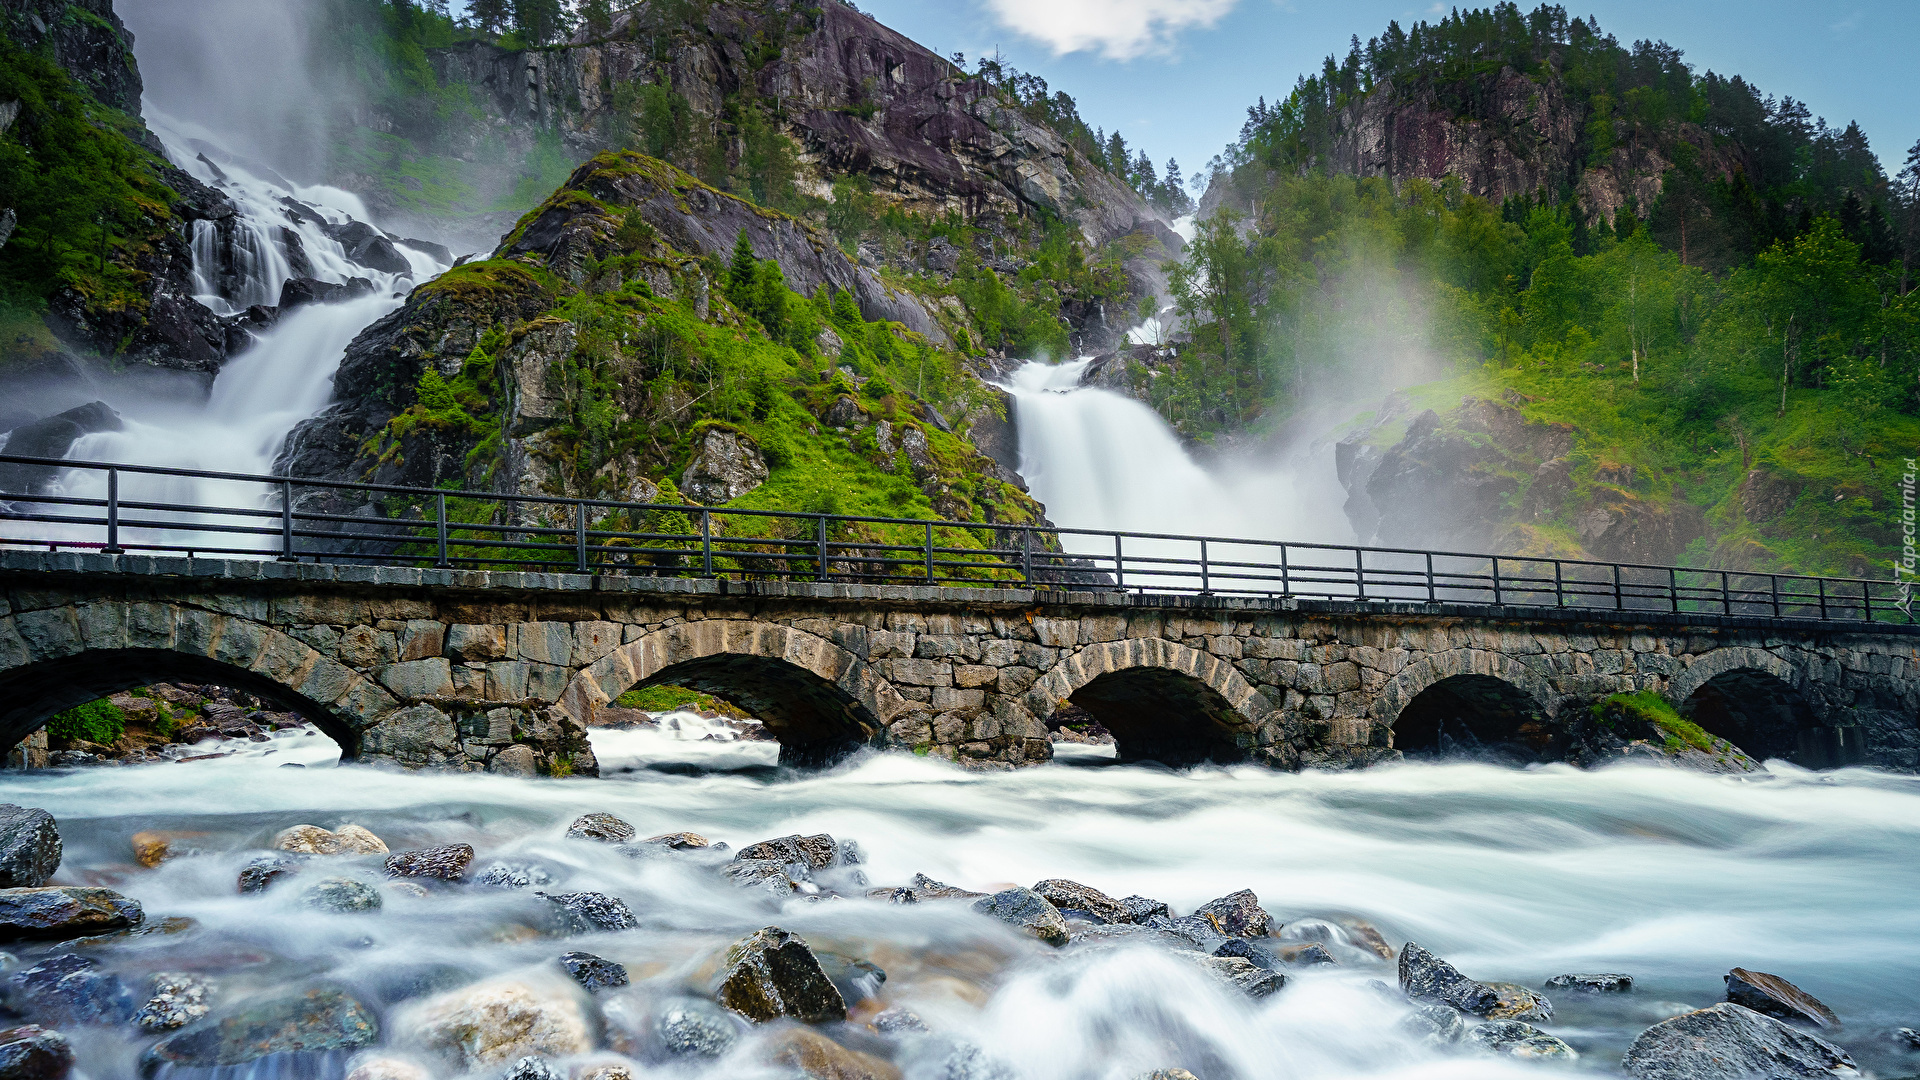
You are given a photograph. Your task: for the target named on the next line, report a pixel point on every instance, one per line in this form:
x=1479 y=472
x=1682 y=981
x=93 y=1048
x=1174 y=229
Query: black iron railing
x=118 y=509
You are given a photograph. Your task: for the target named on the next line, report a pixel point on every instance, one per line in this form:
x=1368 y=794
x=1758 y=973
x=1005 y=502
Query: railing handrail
x=577 y=540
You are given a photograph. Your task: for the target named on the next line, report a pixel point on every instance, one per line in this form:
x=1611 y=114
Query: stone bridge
x=502 y=672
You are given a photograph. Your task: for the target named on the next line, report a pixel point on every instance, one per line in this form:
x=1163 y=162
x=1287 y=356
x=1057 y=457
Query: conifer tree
x=490 y=16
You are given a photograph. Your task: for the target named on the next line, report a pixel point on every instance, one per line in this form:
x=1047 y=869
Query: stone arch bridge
x=468 y=670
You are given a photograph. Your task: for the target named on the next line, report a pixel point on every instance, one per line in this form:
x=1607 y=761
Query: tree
x=1907 y=187
x=540 y=22
x=490 y=16
x=598 y=17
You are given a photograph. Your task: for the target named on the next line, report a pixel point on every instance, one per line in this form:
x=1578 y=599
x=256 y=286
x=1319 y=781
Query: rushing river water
x=1669 y=876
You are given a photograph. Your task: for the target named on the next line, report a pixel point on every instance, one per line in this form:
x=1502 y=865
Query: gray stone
x=29 y=847
x=1776 y=997
x=513 y=876
x=1027 y=910
x=817 y=852
x=1512 y=1038
x=1516 y=1002
x=341 y=895
x=1139 y=909
x=695 y=1028
x=1592 y=984
x=1236 y=915
x=589 y=912
x=476 y=644
x=264 y=870
x=725 y=465
x=1242 y=974
x=1071 y=896
x=593 y=972
x=70 y=989
x=1426 y=977
x=64 y=911
x=771 y=973
x=447 y=863
x=311 y=1022
x=1732 y=1042
x=602 y=827
x=31 y=1052
x=1435 y=1025
x=533 y=1068
x=179 y=998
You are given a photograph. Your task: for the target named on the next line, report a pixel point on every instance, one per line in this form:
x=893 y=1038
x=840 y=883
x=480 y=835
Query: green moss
x=1650 y=707
x=97 y=721
x=669 y=698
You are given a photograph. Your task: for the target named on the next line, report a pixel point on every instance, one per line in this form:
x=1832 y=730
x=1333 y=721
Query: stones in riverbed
x=680 y=841
x=1305 y=955
x=29 y=847
x=925 y=888
x=1072 y=897
x=1027 y=910
x=492 y=1023
x=1908 y=1037
x=1236 y=915
x=513 y=876
x=1511 y=1038
x=179 y=998
x=313 y=1021
x=1139 y=909
x=604 y=828
x=1776 y=997
x=533 y=1068
x=1435 y=1025
x=695 y=1028
x=314 y=840
x=1732 y=1042
x=152 y=847
x=1241 y=974
x=70 y=989
x=1426 y=977
x=821 y=1058
x=817 y=852
x=31 y=1052
x=771 y=973
x=59 y=912
x=341 y=895
x=267 y=869
x=588 y=912
x=593 y=972
x=1592 y=984
x=1516 y=1002
x=387 y=1068
x=447 y=863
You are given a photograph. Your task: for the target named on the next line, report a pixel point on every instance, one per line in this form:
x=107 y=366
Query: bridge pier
x=503 y=672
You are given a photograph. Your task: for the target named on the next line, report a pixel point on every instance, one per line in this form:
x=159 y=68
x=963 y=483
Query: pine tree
x=490 y=16
x=598 y=16
x=740 y=269
x=540 y=22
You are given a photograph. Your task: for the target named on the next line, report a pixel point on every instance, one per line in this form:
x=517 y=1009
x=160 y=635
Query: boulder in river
x=817 y=852
x=1604 y=983
x=70 y=989
x=151 y=847
x=925 y=888
x=341 y=895
x=857 y=980
x=504 y=875
x=29 y=847
x=771 y=973
x=589 y=912
x=771 y=874
x=1305 y=955
x=1236 y=915
x=1778 y=998
x=1732 y=1042
x=1516 y=1002
x=267 y=869
x=1027 y=910
x=1248 y=951
x=820 y=1058
x=1071 y=896
x=680 y=841
x=31 y=1052
x=314 y=1021
x=1426 y=977
x=1241 y=974
x=1435 y=1025
x=1515 y=1039
x=595 y=973
x=314 y=840
x=696 y=1028
x=533 y=1068
x=179 y=998
x=388 y=1068
x=492 y=1023
x=446 y=863
x=602 y=827
x=60 y=912
x=1139 y=909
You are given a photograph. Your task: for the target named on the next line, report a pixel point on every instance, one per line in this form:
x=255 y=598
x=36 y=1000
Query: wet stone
x=179 y=998
x=1027 y=910
x=820 y=1058
x=1516 y=1002
x=588 y=912
x=1426 y=977
x=446 y=863
x=70 y=989
x=605 y=828
x=533 y=1068
x=817 y=852
x=1732 y=1042
x=388 y=1069
x=681 y=841
x=1908 y=1037
x=694 y=1028
x=1435 y=1025
x=897 y=1021
x=513 y=876
x=341 y=895
x=1306 y=955
x=1236 y=915
x=314 y=840
x=491 y=1024
x=1778 y=998
x=593 y=972
x=31 y=1052
x=1091 y=904
x=857 y=980
x=1592 y=984
x=316 y=1021
x=263 y=871
x=1139 y=909
x=58 y=912
x=1242 y=974
x=29 y=847
x=772 y=973
x=1515 y=1039
x=770 y=874
x=1247 y=951
x=925 y=888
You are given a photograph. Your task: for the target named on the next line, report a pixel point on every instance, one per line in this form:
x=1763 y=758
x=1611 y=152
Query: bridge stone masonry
x=503 y=672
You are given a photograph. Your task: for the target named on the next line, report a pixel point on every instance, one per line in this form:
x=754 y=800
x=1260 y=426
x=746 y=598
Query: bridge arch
x=820 y=700
x=54 y=659
x=1761 y=703
x=1467 y=701
x=1163 y=701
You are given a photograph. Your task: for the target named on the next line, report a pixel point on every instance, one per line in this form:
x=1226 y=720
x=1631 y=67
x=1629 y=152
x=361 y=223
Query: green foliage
x=97 y=721
x=659 y=699
x=1649 y=707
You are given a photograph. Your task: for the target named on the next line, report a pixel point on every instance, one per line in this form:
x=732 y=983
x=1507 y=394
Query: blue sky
x=1176 y=75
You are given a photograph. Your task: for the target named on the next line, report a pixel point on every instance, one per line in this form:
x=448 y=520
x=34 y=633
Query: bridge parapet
x=476 y=670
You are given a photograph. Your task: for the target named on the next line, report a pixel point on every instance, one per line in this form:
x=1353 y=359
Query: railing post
x=580 y=535
x=1821 y=583
x=1206 y=579
x=1673 y=589
x=440 y=529
x=1026 y=555
x=1559 y=587
x=929 y=552
x=1498 y=600
x=820 y=540
x=1119 y=564
x=1773 y=586
x=286 y=522
x=1726 y=599
x=1618 y=603
x=1866 y=600
x=1433 y=595
x=1360 y=573
x=706 y=543
x=113 y=515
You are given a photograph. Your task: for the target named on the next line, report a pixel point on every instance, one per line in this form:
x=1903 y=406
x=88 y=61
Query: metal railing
x=115 y=509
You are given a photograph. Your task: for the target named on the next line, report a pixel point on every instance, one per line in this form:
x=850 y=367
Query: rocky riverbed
x=902 y=918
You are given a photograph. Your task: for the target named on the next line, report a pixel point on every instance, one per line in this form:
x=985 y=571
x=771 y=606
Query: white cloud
x=1117 y=29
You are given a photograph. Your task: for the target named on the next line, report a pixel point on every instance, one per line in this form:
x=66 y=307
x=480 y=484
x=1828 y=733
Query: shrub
x=96 y=721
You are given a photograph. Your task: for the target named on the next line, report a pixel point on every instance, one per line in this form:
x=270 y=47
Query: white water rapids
x=1668 y=876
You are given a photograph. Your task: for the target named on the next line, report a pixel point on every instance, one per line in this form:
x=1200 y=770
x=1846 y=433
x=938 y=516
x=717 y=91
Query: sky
x=1176 y=76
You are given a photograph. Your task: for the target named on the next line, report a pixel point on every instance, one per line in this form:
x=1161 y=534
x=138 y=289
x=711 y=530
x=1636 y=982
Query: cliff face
x=858 y=98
